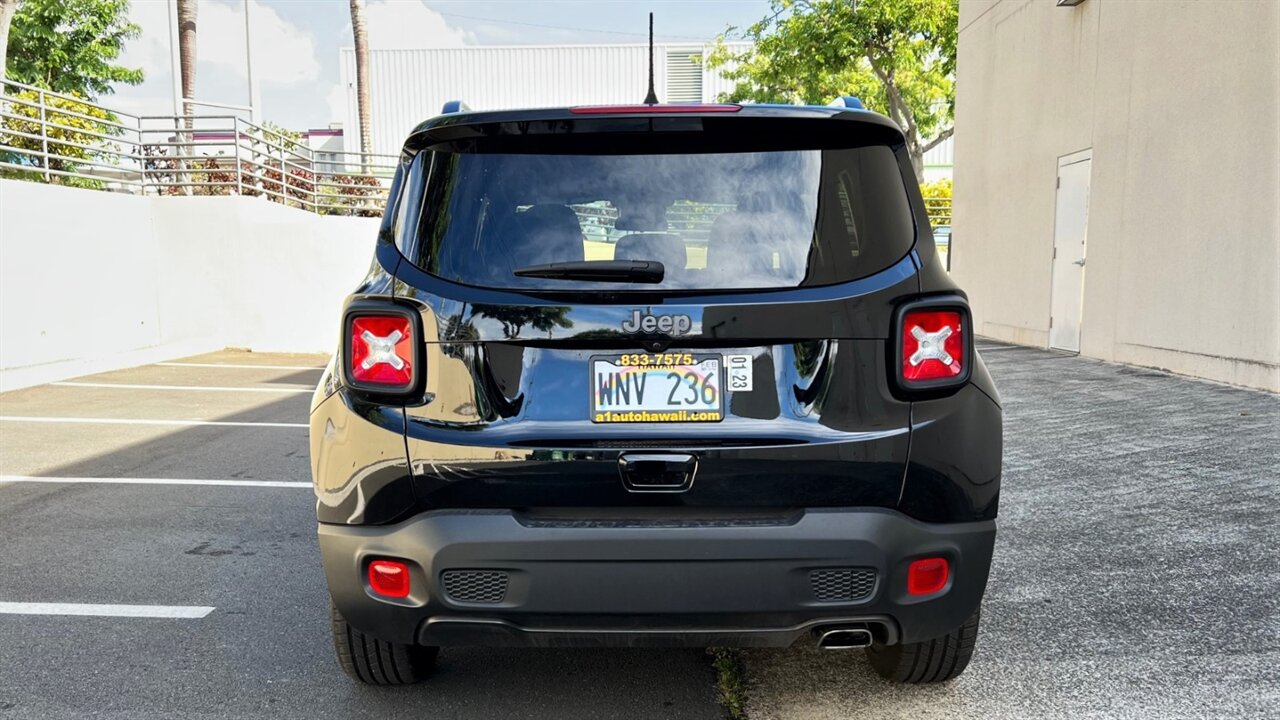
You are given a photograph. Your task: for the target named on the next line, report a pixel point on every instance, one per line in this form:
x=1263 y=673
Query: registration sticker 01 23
x=739 y=370
x=657 y=388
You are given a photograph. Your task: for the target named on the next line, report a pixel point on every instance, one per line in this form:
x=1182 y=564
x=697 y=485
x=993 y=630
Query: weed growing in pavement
x=731 y=680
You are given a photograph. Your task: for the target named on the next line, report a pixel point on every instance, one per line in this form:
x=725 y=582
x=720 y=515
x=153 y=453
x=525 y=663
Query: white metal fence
x=939 y=210
x=58 y=138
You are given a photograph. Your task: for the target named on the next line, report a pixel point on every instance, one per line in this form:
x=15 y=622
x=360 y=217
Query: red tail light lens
x=933 y=345
x=389 y=578
x=381 y=350
x=927 y=576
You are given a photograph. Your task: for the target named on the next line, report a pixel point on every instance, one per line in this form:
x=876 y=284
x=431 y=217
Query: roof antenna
x=652 y=97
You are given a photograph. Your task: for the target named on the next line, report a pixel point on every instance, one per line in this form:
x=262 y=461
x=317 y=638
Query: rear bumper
x=682 y=580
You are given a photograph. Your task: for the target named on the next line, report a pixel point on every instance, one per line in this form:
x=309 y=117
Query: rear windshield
x=716 y=221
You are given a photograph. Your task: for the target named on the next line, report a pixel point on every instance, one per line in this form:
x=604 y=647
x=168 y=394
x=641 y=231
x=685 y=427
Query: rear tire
x=930 y=661
x=377 y=662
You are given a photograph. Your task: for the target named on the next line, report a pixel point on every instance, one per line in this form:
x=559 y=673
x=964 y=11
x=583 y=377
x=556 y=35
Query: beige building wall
x=1179 y=103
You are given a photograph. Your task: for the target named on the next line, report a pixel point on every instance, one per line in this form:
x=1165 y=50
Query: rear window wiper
x=635 y=271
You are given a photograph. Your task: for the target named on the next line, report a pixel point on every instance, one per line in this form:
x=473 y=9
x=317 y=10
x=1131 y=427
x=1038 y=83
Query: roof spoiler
x=454 y=106
x=848 y=102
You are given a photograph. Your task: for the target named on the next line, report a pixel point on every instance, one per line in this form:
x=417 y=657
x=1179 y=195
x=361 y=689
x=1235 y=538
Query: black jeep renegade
x=656 y=375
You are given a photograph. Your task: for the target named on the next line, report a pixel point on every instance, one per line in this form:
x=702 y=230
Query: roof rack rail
x=848 y=102
x=454 y=106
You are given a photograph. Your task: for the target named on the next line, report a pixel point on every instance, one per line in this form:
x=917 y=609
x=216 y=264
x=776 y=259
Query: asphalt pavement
x=1136 y=572
x=246 y=551
x=1137 y=564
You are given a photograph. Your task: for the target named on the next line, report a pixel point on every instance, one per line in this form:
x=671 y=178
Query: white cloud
x=398 y=25
x=282 y=53
x=410 y=24
x=285 y=57
x=150 y=50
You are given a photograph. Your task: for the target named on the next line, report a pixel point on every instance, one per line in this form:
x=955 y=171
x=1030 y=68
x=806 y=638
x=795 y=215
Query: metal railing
x=939 y=210
x=58 y=138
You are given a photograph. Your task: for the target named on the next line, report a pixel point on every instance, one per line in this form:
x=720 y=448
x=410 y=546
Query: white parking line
x=133 y=421
x=180 y=612
x=187 y=388
x=245 y=367
x=155 y=481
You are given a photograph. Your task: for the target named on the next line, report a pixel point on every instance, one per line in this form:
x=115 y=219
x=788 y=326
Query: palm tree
x=362 y=80
x=187 y=52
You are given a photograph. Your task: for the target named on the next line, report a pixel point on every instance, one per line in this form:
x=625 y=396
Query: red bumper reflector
x=927 y=576
x=389 y=578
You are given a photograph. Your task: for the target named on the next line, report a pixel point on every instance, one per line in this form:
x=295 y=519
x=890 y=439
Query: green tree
x=290 y=140
x=71 y=46
x=937 y=200
x=898 y=56
x=73 y=133
x=515 y=317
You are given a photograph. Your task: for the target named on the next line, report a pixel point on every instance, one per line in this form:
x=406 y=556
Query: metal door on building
x=1070 y=229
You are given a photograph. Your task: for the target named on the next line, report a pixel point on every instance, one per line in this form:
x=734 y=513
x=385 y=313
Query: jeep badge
x=648 y=324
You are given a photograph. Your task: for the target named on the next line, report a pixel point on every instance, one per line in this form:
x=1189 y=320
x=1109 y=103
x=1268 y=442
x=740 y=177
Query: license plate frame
x=658 y=367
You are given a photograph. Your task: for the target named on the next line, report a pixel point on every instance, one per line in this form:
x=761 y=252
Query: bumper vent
x=475 y=586
x=842 y=584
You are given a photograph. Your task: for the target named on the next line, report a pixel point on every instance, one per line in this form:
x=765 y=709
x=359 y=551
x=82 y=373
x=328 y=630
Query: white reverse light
x=383 y=349
x=931 y=346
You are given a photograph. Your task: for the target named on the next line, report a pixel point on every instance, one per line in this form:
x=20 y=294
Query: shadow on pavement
x=251 y=553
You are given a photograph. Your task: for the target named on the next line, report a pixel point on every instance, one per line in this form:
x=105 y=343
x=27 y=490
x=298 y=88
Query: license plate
x=657 y=388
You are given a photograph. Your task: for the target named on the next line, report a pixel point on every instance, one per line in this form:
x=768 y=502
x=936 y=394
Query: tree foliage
x=898 y=56
x=289 y=140
x=7 y=10
x=71 y=46
x=73 y=134
x=937 y=201
x=284 y=183
x=350 y=195
x=515 y=317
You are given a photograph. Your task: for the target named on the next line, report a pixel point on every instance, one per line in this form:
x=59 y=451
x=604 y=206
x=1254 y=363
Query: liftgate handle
x=657 y=471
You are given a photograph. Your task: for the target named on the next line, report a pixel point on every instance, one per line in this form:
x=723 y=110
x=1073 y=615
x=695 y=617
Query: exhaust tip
x=844 y=638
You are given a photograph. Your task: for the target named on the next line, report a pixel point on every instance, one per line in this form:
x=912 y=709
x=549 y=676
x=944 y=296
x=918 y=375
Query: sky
x=296 y=42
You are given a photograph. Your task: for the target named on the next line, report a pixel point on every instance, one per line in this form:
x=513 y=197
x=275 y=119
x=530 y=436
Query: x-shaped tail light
x=381 y=351
x=932 y=346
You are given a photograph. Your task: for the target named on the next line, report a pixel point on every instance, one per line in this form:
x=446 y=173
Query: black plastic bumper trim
x=445 y=631
x=642 y=583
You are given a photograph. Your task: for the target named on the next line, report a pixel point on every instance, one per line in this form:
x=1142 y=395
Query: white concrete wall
x=93 y=280
x=1180 y=103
